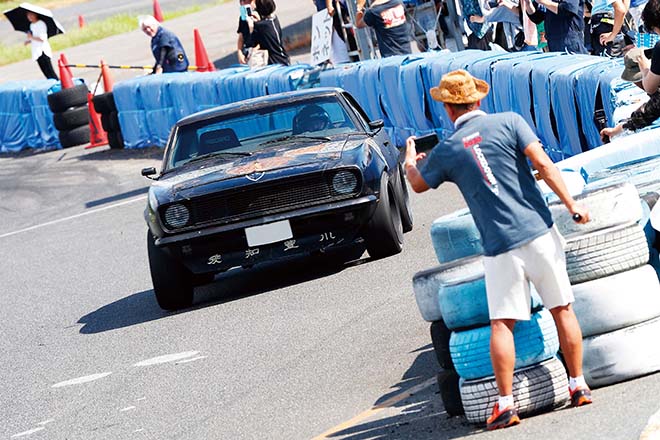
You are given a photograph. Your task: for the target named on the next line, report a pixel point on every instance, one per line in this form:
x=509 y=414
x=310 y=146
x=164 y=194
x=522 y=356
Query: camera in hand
x=426 y=143
x=601 y=122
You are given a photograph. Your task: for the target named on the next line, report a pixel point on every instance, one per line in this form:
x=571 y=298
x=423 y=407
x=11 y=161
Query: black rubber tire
x=440 y=335
x=67 y=98
x=448 y=384
x=77 y=136
x=71 y=118
x=104 y=103
x=110 y=122
x=384 y=233
x=173 y=282
x=115 y=140
x=403 y=200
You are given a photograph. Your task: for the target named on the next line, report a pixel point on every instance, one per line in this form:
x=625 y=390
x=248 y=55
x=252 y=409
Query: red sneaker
x=502 y=418
x=580 y=396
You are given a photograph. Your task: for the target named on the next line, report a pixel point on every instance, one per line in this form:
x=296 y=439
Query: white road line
x=82 y=214
x=128 y=408
x=80 y=380
x=45 y=422
x=185 y=361
x=652 y=430
x=26 y=433
x=166 y=358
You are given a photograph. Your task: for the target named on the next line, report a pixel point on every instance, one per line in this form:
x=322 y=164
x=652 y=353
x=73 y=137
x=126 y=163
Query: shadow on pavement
x=420 y=416
x=230 y=286
x=105 y=153
x=117 y=197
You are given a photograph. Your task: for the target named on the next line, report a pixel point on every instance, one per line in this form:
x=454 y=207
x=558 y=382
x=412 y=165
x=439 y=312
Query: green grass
x=93 y=31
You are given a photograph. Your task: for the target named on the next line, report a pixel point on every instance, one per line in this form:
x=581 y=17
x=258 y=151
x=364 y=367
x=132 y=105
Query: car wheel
x=384 y=233
x=403 y=198
x=172 y=281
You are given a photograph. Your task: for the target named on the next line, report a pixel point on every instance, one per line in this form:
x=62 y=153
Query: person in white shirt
x=41 y=51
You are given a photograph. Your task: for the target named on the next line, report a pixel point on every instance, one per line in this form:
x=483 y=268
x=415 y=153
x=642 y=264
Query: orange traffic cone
x=81 y=21
x=201 y=57
x=97 y=136
x=66 y=63
x=108 y=82
x=158 y=13
x=65 y=75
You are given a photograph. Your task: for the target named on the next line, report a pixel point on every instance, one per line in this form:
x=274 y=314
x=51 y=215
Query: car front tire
x=384 y=233
x=172 y=281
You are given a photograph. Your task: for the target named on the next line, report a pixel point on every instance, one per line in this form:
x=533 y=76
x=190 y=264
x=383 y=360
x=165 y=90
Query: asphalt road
x=285 y=352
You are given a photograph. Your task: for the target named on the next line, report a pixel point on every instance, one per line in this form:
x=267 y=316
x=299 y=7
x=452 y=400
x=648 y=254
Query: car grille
x=263 y=199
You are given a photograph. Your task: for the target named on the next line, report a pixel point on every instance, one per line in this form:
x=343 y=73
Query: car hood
x=277 y=160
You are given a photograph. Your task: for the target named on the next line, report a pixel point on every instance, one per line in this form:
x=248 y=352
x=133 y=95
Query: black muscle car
x=268 y=178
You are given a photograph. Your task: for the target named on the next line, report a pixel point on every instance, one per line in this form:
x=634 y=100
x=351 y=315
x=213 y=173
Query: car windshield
x=234 y=135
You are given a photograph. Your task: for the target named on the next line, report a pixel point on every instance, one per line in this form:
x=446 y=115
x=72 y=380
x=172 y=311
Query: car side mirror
x=148 y=172
x=376 y=125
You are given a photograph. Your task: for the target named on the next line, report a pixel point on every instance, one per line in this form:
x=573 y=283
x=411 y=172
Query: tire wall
x=26 y=121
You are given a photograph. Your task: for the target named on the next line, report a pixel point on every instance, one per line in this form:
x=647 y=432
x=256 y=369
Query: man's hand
x=159 y=70
x=607 y=37
x=581 y=211
x=611 y=131
x=411 y=153
x=241 y=57
x=477 y=19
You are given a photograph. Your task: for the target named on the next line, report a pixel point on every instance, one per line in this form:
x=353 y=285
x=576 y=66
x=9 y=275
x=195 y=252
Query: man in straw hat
x=648 y=112
x=487 y=158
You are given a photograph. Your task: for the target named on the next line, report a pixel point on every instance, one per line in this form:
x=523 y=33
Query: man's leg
x=503 y=357
x=570 y=340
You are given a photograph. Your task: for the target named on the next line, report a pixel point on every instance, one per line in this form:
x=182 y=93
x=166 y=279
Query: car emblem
x=255 y=176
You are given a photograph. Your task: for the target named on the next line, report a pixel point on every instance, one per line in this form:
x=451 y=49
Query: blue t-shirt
x=485 y=158
x=601 y=7
x=392 y=30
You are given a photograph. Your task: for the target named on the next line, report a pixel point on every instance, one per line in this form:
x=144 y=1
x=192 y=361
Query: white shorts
x=541 y=261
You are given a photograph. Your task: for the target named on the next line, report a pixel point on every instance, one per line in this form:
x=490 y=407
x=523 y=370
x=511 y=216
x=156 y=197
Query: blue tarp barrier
x=25 y=119
x=564 y=98
x=483 y=69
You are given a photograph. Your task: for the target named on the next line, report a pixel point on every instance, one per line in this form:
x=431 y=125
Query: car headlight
x=344 y=182
x=177 y=216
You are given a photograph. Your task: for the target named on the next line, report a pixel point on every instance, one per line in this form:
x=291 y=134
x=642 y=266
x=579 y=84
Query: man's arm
x=359 y=16
x=239 y=48
x=417 y=183
x=619 y=14
x=650 y=80
x=551 y=175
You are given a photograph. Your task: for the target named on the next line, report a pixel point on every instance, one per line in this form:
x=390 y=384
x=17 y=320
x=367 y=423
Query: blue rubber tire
x=536 y=340
x=455 y=236
x=461 y=294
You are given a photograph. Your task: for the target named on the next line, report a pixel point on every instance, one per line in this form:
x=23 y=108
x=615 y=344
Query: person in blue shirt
x=487 y=158
x=564 y=23
x=606 y=23
x=165 y=47
x=388 y=19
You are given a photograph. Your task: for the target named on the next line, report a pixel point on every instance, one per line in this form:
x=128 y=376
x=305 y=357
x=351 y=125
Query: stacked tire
x=452 y=297
x=71 y=115
x=617 y=293
x=104 y=104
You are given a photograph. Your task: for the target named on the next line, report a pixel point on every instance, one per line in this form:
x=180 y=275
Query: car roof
x=259 y=102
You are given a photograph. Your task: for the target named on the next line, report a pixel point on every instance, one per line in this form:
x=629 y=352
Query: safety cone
x=97 y=136
x=65 y=75
x=108 y=82
x=81 y=21
x=158 y=13
x=66 y=63
x=201 y=57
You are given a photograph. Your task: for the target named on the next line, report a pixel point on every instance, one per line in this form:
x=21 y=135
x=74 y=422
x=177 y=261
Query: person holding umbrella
x=37 y=36
x=39 y=24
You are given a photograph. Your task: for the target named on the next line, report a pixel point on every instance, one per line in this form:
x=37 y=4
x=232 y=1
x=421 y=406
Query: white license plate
x=267 y=234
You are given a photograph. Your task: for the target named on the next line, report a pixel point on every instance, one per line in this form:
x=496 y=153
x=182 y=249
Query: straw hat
x=459 y=87
x=631 y=70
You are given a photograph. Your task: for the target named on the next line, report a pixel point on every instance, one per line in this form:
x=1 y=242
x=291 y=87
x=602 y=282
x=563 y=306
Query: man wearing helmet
x=311 y=118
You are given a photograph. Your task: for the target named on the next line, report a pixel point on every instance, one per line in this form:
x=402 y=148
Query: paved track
x=285 y=352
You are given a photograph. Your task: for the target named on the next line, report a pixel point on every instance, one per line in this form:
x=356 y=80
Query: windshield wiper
x=220 y=153
x=297 y=136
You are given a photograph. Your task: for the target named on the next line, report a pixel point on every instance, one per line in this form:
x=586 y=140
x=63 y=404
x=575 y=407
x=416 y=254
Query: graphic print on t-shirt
x=393 y=17
x=472 y=142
